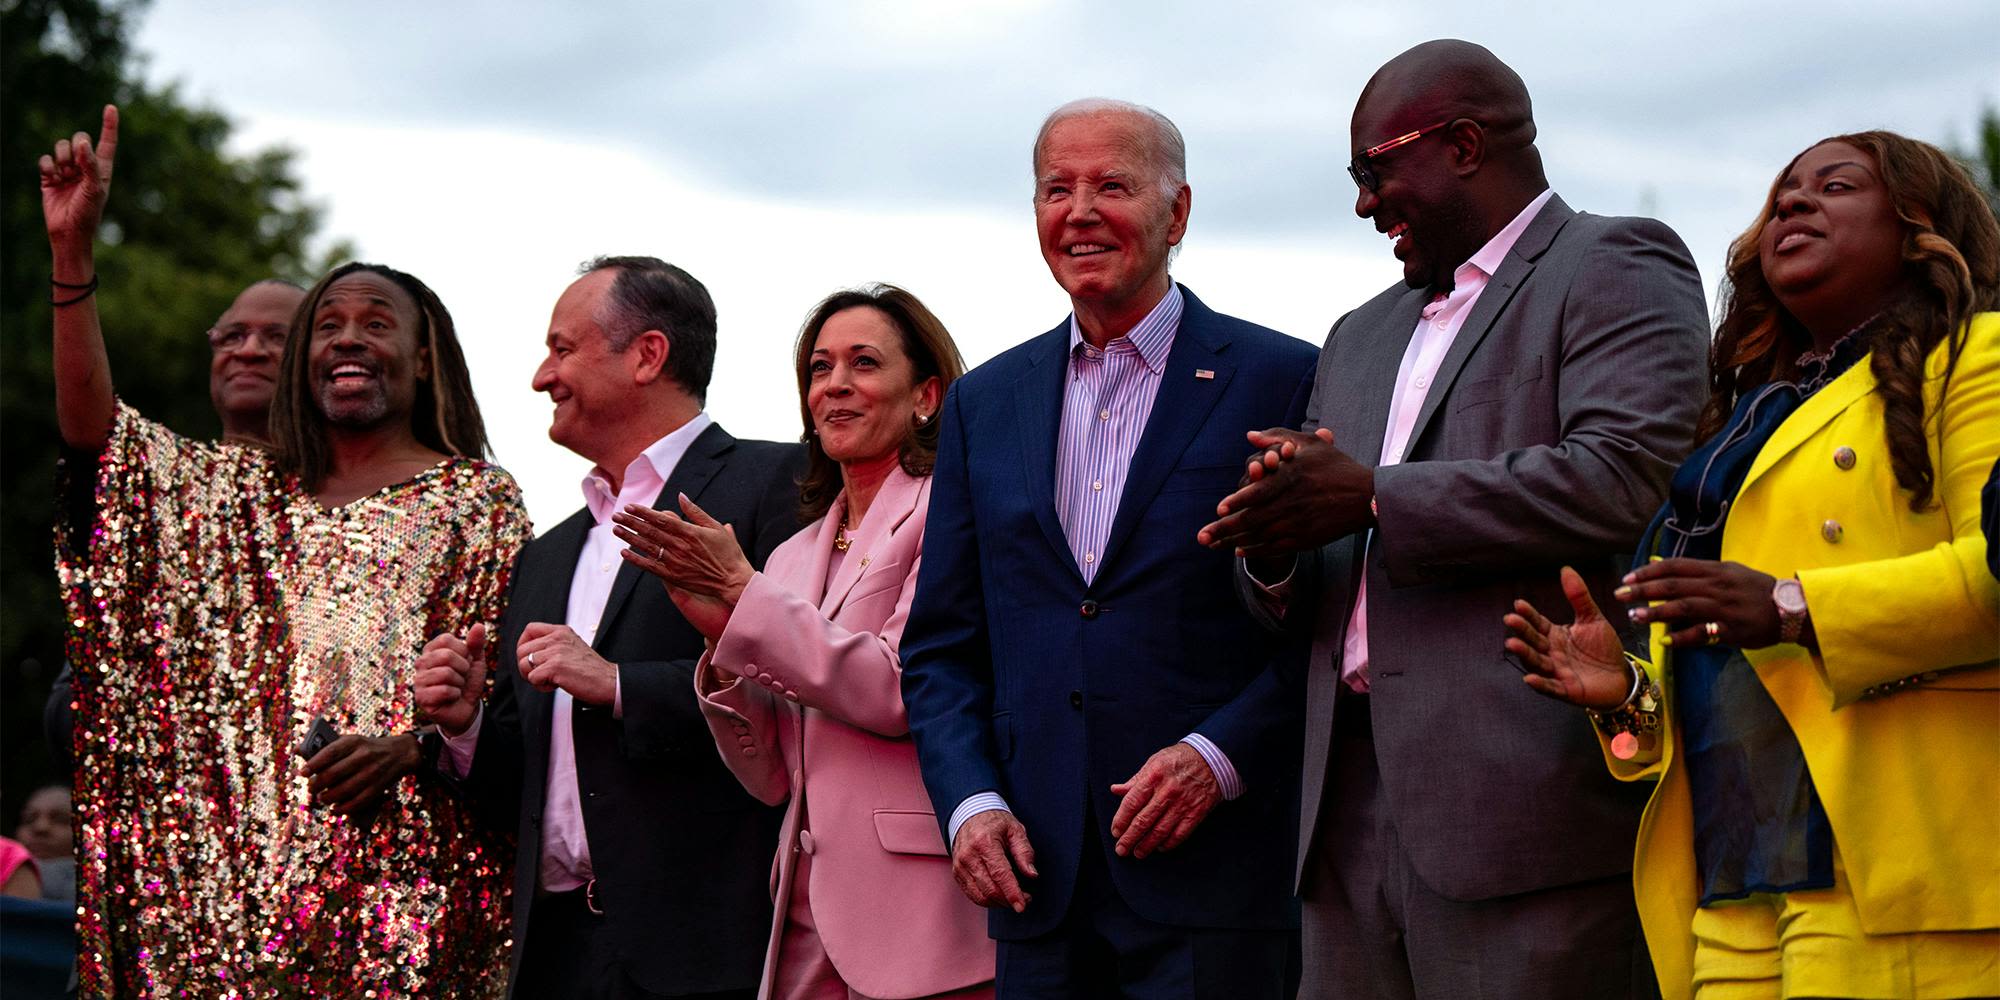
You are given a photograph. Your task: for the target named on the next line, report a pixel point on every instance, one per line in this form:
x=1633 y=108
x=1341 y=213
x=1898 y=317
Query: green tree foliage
x=188 y=226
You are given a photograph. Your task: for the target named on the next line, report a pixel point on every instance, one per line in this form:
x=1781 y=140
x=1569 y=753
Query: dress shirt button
x=1088 y=609
x=1104 y=414
x=1843 y=457
x=1090 y=557
x=806 y=841
x=1097 y=485
x=1076 y=699
x=1831 y=530
x=1421 y=381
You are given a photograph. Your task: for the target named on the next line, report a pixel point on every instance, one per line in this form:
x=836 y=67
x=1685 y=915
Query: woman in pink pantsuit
x=801 y=684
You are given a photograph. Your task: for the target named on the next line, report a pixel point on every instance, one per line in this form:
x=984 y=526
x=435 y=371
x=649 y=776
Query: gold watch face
x=1790 y=597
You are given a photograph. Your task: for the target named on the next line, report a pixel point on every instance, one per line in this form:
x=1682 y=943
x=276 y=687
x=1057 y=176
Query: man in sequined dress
x=223 y=599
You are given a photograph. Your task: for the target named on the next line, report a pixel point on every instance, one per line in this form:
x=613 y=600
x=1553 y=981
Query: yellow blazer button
x=1831 y=530
x=1843 y=457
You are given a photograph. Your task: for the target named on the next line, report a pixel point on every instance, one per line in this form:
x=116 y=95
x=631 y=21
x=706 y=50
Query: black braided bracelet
x=89 y=288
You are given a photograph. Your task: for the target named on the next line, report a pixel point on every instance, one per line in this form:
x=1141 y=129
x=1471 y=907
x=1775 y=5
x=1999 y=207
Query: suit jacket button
x=806 y=841
x=1831 y=530
x=1843 y=457
x=1076 y=699
x=1088 y=609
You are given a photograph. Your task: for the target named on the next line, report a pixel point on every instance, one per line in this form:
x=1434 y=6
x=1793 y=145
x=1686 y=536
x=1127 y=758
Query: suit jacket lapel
x=894 y=503
x=1179 y=411
x=1038 y=400
x=1500 y=289
x=1372 y=385
x=545 y=598
x=696 y=467
x=1821 y=407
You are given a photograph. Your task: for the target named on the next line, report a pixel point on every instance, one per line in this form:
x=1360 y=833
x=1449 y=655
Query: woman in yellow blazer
x=1820 y=698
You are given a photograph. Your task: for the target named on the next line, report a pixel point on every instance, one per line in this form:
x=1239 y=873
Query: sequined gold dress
x=215 y=609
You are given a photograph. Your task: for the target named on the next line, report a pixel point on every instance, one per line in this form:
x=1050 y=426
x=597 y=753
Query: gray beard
x=360 y=415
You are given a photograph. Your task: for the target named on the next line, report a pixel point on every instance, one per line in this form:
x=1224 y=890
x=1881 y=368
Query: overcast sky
x=782 y=150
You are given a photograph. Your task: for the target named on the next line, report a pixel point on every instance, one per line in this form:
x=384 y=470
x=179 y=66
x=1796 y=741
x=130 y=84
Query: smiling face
x=245 y=346
x=1419 y=201
x=862 y=388
x=1105 y=224
x=364 y=358
x=593 y=387
x=1833 y=245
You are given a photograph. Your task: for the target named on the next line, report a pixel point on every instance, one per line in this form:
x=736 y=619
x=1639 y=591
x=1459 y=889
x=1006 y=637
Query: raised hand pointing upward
x=75 y=181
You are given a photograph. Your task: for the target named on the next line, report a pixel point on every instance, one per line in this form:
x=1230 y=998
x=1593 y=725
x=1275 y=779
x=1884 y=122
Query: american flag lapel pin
x=1204 y=373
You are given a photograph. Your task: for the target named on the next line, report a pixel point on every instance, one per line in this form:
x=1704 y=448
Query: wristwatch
x=1790 y=597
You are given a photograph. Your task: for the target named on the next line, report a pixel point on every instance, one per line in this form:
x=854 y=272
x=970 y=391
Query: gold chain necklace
x=840 y=540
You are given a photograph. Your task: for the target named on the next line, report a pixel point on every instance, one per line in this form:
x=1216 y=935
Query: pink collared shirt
x=1436 y=329
x=565 y=856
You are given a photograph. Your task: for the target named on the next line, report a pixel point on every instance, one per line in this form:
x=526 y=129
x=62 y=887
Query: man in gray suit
x=1516 y=405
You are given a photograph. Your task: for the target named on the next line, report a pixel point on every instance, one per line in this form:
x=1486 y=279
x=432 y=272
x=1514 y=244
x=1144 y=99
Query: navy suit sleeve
x=1259 y=728
x=493 y=784
x=947 y=661
x=660 y=713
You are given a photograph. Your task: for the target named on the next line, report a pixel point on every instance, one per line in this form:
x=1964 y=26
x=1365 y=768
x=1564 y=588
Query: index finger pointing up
x=107 y=142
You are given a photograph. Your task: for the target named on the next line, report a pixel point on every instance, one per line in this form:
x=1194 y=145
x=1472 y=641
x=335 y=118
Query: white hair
x=1164 y=145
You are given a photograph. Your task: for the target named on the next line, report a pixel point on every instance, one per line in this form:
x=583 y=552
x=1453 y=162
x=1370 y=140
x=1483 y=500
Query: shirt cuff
x=974 y=804
x=617 y=693
x=1225 y=772
x=456 y=760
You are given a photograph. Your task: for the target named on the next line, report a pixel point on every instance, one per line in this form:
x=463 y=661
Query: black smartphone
x=318 y=735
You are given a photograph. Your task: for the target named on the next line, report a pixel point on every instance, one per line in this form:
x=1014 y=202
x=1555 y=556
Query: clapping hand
x=1582 y=663
x=1299 y=492
x=695 y=556
x=76 y=181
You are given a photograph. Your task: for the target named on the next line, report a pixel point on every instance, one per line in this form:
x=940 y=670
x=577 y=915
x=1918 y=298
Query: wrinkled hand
x=1299 y=492
x=351 y=774
x=554 y=656
x=451 y=679
x=990 y=849
x=1693 y=592
x=1582 y=663
x=1163 y=803
x=76 y=182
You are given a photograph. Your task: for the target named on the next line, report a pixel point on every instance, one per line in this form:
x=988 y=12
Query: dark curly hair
x=445 y=415
x=931 y=352
x=1951 y=263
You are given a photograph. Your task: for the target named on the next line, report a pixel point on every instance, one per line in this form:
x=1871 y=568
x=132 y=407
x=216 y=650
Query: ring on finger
x=531 y=659
x=1714 y=631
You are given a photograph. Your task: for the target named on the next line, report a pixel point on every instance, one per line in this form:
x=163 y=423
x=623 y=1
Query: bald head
x=1443 y=80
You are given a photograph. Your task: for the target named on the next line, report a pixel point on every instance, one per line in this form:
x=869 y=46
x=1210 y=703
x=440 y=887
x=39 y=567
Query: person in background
x=640 y=862
x=801 y=682
x=48 y=830
x=1815 y=712
x=225 y=597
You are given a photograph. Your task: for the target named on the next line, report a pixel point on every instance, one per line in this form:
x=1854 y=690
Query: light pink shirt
x=1436 y=329
x=565 y=861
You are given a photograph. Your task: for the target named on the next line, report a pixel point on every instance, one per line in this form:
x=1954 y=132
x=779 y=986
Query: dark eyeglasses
x=1364 y=173
x=224 y=339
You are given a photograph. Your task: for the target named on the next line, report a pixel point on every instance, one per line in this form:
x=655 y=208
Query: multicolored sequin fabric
x=215 y=610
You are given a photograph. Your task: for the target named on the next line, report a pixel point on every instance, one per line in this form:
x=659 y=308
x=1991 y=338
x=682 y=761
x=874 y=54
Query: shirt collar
x=1494 y=253
x=646 y=474
x=1152 y=336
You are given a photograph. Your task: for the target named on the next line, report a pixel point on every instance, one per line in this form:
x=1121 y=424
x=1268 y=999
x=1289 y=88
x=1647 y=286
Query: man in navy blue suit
x=1111 y=744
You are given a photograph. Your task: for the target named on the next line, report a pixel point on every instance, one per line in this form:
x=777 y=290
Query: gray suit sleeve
x=1633 y=355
